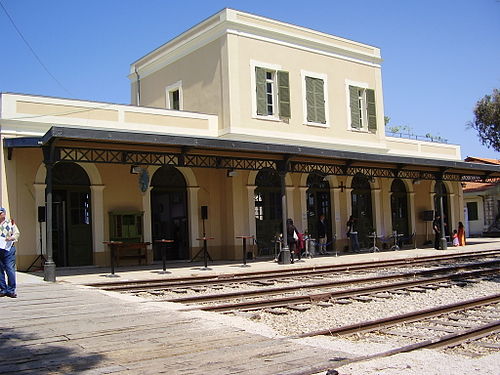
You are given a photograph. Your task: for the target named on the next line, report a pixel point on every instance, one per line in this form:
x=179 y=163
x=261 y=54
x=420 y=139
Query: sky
x=440 y=56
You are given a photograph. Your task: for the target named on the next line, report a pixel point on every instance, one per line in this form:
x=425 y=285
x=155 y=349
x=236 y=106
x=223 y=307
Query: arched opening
x=169 y=218
x=361 y=200
x=399 y=207
x=318 y=203
x=71 y=216
x=268 y=209
x=441 y=191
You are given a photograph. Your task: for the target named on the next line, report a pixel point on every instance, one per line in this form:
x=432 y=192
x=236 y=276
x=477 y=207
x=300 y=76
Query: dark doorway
x=441 y=191
x=71 y=221
x=318 y=203
x=169 y=213
x=268 y=213
x=361 y=199
x=399 y=207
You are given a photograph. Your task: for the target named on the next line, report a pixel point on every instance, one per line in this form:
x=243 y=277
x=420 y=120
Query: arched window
x=268 y=209
x=169 y=212
x=441 y=192
x=361 y=201
x=318 y=203
x=71 y=215
x=399 y=207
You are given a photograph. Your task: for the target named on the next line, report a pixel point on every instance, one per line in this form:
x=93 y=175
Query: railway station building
x=233 y=125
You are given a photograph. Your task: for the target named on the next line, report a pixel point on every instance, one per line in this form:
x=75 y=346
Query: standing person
x=292 y=235
x=436 y=227
x=9 y=234
x=322 y=234
x=352 y=233
x=461 y=234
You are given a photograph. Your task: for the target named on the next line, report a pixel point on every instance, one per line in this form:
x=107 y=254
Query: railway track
x=374 y=287
x=467 y=324
x=426 y=277
x=186 y=282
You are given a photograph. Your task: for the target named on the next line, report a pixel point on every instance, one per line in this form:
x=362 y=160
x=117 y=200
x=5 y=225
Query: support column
x=413 y=214
x=442 y=240
x=335 y=198
x=303 y=208
x=377 y=207
x=452 y=220
x=98 y=217
x=194 y=215
x=348 y=204
x=285 y=251
x=289 y=199
x=41 y=229
x=146 y=207
x=251 y=209
x=49 y=269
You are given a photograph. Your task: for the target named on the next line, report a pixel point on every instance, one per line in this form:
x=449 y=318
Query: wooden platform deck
x=57 y=328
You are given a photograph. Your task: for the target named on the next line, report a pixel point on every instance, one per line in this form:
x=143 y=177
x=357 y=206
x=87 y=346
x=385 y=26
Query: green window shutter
x=315 y=100
x=372 y=114
x=320 y=101
x=284 y=94
x=260 y=83
x=310 y=99
x=353 y=98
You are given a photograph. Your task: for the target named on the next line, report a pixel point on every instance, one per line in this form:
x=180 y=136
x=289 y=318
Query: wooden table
x=244 y=238
x=164 y=251
x=118 y=246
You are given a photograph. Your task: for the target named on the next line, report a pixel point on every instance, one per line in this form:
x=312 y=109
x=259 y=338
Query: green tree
x=487 y=120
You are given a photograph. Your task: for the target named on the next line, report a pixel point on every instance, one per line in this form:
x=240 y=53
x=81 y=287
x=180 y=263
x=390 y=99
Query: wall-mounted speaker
x=41 y=214
x=204 y=212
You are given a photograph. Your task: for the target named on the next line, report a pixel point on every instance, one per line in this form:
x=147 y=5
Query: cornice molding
x=231 y=22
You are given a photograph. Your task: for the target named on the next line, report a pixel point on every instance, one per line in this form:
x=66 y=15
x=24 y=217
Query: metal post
x=112 y=260
x=164 y=256
x=205 y=252
x=49 y=269
x=285 y=251
x=442 y=241
x=244 y=251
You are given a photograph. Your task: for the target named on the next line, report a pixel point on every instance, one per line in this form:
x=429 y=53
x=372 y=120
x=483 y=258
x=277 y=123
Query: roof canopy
x=104 y=146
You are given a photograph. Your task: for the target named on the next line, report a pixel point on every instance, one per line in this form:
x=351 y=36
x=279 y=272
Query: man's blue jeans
x=8 y=267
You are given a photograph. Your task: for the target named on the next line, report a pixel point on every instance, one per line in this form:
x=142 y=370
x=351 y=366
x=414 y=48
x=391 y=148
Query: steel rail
x=143 y=285
x=439 y=342
x=288 y=300
x=333 y=283
x=402 y=318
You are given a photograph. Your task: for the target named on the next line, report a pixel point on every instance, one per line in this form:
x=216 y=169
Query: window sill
x=362 y=131
x=269 y=118
x=317 y=124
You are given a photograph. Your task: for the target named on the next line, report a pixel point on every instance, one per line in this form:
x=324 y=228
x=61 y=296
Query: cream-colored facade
x=201 y=89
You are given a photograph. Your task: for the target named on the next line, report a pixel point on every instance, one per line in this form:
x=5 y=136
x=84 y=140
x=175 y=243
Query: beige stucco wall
x=201 y=77
x=245 y=53
x=19 y=198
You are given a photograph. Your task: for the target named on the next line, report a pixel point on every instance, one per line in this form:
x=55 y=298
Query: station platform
x=69 y=328
x=87 y=275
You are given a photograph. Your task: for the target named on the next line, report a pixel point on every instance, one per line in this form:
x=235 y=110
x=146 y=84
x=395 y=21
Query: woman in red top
x=461 y=234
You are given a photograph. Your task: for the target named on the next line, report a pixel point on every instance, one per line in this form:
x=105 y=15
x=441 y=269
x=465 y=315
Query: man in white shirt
x=9 y=235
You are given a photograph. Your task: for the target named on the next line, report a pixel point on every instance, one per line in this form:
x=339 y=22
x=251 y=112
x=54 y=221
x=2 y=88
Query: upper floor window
x=472 y=211
x=174 y=96
x=315 y=100
x=272 y=93
x=363 y=112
